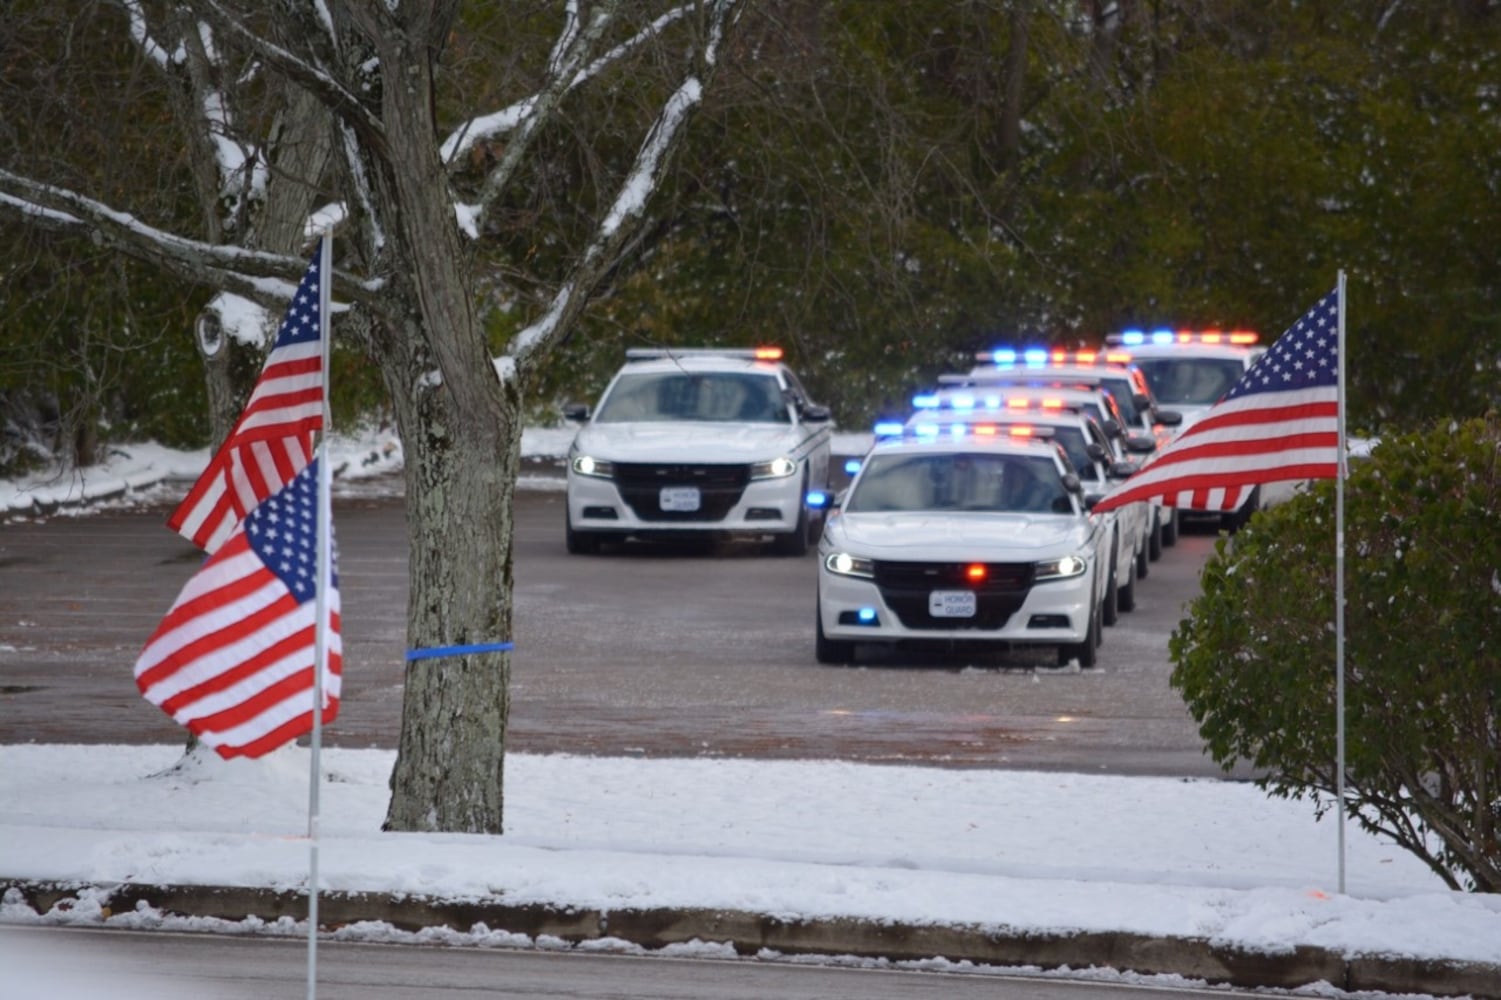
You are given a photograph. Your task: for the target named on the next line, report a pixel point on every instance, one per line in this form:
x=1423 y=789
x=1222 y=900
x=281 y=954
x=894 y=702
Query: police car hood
x=716 y=442
x=939 y=536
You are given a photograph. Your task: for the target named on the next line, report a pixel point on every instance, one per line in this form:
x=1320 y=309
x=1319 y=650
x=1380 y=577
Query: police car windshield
x=1077 y=448
x=749 y=397
x=1121 y=391
x=1190 y=381
x=958 y=481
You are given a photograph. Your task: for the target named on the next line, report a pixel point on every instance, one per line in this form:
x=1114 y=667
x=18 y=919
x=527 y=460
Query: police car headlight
x=588 y=465
x=1061 y=569
x=778 y=468
x=847 y=565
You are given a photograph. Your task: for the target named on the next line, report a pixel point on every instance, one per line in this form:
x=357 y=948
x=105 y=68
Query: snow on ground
x=1055 y=852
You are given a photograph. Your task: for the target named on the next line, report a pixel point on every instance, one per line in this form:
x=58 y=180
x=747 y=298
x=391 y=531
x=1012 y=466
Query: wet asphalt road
x=650 y=650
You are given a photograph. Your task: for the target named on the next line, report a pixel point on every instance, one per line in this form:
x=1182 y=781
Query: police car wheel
x=1086 y=652
x=831 y=650
x=797 y=541
x=1112 y=609
x=1170 y=528
x=580 y=543
x=1127 y=593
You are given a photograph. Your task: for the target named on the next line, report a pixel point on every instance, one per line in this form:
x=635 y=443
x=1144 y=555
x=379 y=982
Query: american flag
x=233 y=659
x=1279 y=422
x=273 y=439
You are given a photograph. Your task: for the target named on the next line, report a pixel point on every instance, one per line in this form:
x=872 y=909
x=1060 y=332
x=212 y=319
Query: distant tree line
x=882 y=188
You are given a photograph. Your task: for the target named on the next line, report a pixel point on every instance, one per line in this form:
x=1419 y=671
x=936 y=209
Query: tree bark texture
x=460 y=433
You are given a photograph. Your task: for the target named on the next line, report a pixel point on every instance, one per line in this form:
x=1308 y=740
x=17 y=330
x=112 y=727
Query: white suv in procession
x=698 y=443
x=962 y=538
x=1190 y=371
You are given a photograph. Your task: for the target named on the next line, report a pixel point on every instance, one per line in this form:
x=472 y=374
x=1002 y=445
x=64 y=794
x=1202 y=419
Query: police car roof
x=1226 y=352
x=1007 y=375
x=1075 y=394
x=699 y=360
x=989 y=437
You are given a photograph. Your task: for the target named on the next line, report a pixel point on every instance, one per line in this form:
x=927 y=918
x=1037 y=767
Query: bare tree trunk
x=461 y=469
x=215 y=350
x=460 y=434
x=1016 y=76
x=299 y=149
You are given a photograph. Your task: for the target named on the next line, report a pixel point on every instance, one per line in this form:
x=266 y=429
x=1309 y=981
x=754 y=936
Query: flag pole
x=320 y=629
x=1339 y=585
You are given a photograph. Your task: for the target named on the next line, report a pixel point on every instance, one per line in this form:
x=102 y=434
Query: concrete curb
x=749 y=933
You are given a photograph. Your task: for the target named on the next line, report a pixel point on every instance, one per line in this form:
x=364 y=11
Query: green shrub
x=1255 y=658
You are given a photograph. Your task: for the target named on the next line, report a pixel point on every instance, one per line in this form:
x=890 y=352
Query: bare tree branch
x=628 y=209
x=267 y=278
x=572 y=49
x=340 y=101
x=504 y=121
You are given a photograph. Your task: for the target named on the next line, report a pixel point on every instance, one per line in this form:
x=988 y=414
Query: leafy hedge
x=1255 y=658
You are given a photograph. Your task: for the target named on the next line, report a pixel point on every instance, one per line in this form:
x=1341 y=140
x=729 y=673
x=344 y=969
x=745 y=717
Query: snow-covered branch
x=375 y=237
x=330 y=91
x=568 y=56
x=628 y=208
x=140 y=33
x=265 y=277
x=497 y=123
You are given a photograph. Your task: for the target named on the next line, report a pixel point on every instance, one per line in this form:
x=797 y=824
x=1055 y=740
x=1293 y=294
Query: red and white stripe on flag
x=1280 y=422
x=273 y=439
x=233 y=659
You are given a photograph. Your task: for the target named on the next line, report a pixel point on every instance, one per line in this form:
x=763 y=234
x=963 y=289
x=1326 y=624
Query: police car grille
x=719 y=488
x=906 y=586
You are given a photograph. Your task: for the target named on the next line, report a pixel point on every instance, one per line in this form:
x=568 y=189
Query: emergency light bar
x=1042 y=357
x=1023 y=378
x=931 y=430
x=964 y=402
x=956 y=401
x=958 y=428
x=654 y=353
x=1137 y=338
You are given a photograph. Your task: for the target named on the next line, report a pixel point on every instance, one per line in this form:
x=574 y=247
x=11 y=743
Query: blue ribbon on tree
x=440 y=651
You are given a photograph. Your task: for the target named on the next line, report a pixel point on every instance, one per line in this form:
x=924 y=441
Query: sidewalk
x=1109 y=877
x=731 y=933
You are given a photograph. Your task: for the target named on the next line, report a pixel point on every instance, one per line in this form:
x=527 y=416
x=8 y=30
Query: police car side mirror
x=576 y=411
x=1121 y=470
x=815 y=413
x=1140 y=444
x=1111 y=428
x=833 y=501
x=1141 y=399
x=1072 y=483
x=1096 y=452
x=1169 y=418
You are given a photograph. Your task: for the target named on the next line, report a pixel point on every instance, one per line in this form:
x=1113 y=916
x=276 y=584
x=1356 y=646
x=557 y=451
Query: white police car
x=699 y=443
x=1190 y=371
x=961 y=394
x=1093 y=457
x=973 y=537
x=1142 y=416
x=1114 y=370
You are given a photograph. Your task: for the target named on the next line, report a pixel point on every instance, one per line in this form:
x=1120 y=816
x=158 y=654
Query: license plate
x=952 y=604
x=683 y=499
